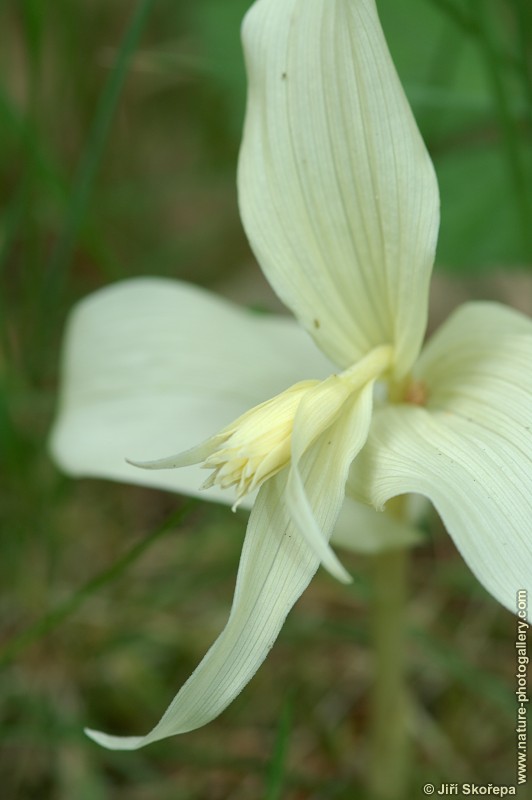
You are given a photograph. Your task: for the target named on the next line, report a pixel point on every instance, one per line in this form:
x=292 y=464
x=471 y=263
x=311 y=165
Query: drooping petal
x=337 y=192
x=350 y=393
x=153 y=366
x=275 y=567
x=470 y=450
x=357 y=412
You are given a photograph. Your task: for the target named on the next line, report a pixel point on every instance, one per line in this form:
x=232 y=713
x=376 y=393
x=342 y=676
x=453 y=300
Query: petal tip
x=114 y=742
x=342 y=575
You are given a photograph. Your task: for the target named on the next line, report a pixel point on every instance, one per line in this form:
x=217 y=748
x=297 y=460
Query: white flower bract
x=339 y=201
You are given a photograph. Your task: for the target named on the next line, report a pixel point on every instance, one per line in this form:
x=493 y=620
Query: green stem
x=389 y=732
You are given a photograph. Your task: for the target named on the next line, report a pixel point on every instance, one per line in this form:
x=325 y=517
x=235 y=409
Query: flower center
x=257 y=445
x=262 y=442
x=416 y=393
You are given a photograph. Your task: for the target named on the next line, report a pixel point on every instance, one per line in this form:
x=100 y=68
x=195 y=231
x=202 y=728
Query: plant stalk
x=389 y=766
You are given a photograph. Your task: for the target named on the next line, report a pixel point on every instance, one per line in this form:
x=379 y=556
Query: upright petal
x=153 y=366
x=470 y=450
x=275 y=567
x=337 y=192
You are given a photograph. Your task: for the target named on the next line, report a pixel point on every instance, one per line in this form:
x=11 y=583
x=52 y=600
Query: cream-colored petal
x=351 y=394
x=478 y=364
x=470 y=450
x=363 y=530
x=479 y=482
x=337 y=193
x=355 y=414
x=152 y=367
x=275 y=568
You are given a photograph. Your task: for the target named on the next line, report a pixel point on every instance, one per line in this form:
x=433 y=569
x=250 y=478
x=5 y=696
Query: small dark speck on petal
x=316 y=323
x=284 y=76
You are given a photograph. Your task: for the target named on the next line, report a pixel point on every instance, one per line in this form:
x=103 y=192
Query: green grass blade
x=509 y=127
x=92 y=157
x=524 y=31
x=479 y=682
x=276 y=775
x=33 y=20
x=478 y=24
x=458 y=15
x=51 y=620
x=10 y=223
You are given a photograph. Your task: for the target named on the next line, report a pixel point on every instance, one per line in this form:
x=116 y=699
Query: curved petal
x=470 y=451
x=351 y=394
x=337 y=192
x=478 y=367
x=357 y=413
x=154 y=366
x=276 y=566
x=480 y=356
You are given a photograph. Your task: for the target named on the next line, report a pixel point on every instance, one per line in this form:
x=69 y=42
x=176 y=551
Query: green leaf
x=277 y=768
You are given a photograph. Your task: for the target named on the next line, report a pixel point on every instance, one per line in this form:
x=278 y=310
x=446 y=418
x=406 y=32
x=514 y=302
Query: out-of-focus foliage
x=119 y=132
x=467 y=69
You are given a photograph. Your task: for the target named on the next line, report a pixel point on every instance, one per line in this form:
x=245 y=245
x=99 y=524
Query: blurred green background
x=119 y=133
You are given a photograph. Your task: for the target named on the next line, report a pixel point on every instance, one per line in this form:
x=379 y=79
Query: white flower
x=340 y=203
